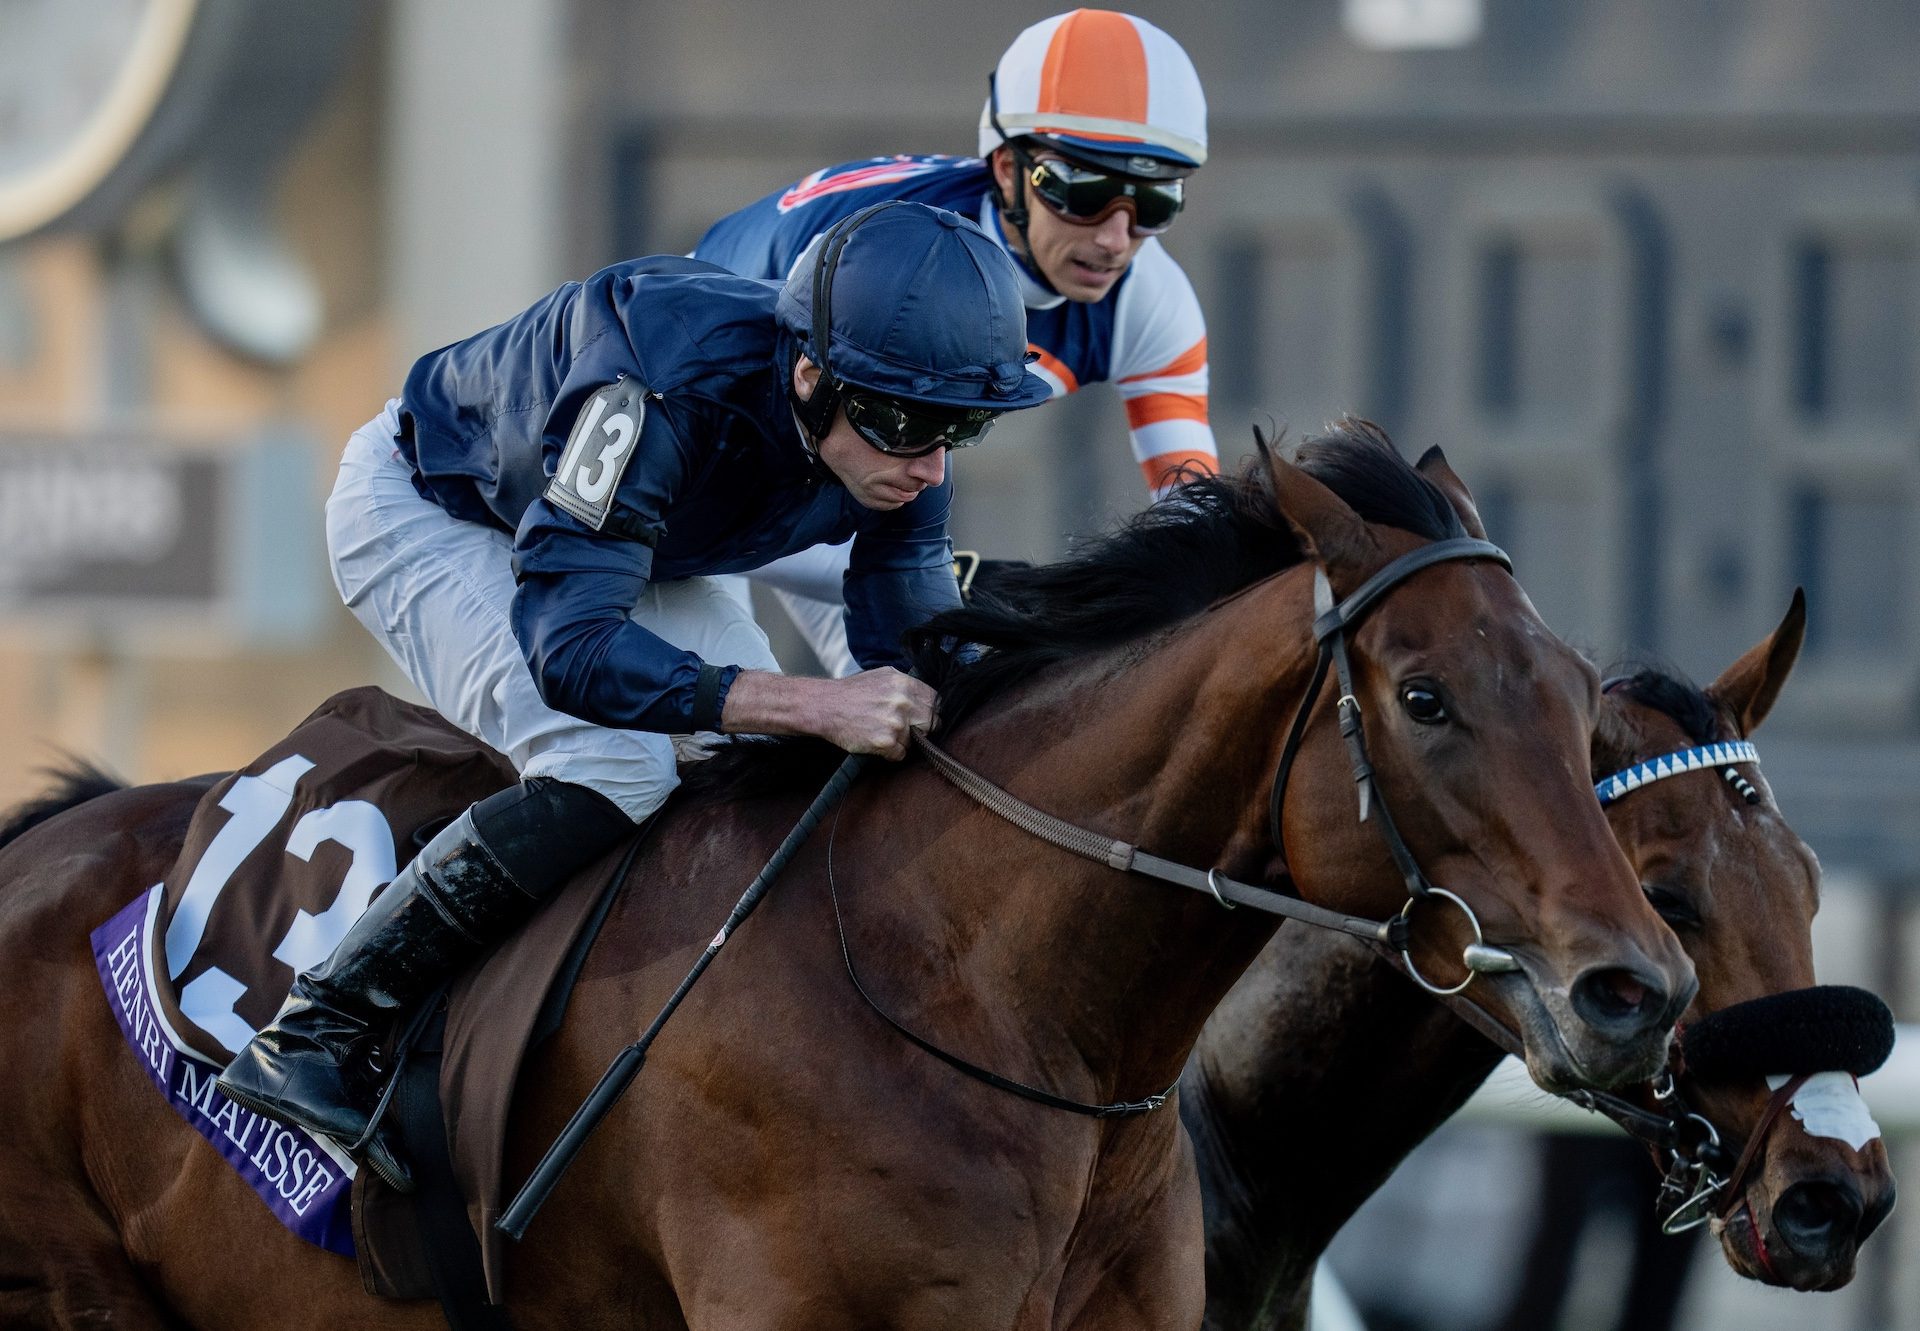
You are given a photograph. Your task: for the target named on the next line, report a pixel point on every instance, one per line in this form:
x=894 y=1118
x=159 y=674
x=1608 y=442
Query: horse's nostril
x=1625 y=991
x=1812 y=1217
x=1618 y=1000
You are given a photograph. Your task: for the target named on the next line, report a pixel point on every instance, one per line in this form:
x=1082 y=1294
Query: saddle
x=279 y=859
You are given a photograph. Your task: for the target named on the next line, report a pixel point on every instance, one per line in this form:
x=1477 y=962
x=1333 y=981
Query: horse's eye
x=1675 y=909
x=1423 y=705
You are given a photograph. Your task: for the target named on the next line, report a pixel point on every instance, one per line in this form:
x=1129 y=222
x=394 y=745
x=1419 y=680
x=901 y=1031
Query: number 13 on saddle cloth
x=279 y=859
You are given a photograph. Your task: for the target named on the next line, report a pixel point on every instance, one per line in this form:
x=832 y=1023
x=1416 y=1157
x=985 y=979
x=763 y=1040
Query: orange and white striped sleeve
x=1160 y=367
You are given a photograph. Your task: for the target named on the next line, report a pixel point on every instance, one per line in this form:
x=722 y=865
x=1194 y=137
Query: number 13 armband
x=603 y=442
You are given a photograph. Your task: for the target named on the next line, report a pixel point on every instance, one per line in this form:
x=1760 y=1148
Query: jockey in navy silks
x=532 y=530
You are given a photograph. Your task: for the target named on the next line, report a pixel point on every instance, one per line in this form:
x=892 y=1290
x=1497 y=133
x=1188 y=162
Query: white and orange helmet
x=1102 y=86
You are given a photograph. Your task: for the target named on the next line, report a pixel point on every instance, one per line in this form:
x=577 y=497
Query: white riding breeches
x=437 y=593
x=808 y=587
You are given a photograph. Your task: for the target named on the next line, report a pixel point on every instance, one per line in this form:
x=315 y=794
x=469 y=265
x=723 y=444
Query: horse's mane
x=74 y=783
x=1207 y=539
x=754 y=765
x=1672 y=694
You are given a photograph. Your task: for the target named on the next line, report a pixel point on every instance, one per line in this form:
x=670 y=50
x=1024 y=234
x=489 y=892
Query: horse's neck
x=1316 y=1076
x=1114 y=972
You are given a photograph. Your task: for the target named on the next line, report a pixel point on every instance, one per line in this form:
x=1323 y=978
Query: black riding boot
x=471 y=886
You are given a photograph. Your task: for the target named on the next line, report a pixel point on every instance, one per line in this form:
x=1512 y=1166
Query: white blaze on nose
x=1830 y=1105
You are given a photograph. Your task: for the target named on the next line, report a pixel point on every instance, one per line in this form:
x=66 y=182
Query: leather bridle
x=1694 y=1161
x=1702 y=1176
x=1332 y=622
x=1699 y=1169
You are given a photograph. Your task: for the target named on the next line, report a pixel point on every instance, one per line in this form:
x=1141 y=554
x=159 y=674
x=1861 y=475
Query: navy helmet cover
x=919 y=304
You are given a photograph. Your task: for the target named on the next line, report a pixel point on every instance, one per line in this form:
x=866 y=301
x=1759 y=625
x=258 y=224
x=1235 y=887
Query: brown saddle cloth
x=285 y=853
x=280 y=858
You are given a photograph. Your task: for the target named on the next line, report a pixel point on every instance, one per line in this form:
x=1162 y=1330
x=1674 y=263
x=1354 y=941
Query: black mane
x=1672 y=693
x=749 y=766
x=1209 y=538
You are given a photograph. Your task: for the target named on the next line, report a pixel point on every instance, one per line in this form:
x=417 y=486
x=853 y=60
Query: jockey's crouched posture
x=529 y=530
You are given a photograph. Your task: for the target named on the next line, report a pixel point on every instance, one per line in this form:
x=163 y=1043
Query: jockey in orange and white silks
x=1093 y=123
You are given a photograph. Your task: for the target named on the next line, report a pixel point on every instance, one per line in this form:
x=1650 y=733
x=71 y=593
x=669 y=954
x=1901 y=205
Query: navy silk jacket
x=635 y=427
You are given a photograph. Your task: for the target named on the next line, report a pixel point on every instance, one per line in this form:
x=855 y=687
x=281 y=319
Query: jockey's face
x=1080 y=260
x=875 y=480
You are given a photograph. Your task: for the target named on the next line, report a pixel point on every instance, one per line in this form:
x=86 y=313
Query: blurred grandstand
x=1649 y=272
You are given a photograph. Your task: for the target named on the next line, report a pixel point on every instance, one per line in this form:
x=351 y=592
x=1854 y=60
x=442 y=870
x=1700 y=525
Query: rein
x=1332 y=621
x=1388 y=935
x=1113 y=1109
x=1126 y=858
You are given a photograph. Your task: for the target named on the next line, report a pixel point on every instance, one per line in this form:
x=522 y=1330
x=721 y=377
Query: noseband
x=1696 y=1166
x=1790 y=1036
x=1798 y=1033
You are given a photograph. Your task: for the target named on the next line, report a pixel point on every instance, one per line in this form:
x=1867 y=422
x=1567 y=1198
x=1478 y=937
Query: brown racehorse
x=1278 y=1063
x=787 y=1160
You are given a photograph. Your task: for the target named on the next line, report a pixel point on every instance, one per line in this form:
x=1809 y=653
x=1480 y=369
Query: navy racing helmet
x=913 y=303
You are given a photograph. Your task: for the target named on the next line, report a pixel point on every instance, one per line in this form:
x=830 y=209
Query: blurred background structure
x=1649 y=272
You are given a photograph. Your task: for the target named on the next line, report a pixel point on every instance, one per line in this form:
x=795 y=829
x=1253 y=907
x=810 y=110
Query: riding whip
x=626 y=1065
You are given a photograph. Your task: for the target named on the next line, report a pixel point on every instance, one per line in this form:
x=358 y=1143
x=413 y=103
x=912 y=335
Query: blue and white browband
x=1686 y=760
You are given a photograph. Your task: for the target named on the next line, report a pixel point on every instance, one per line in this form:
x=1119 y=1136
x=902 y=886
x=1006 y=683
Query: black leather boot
x=310 y=1068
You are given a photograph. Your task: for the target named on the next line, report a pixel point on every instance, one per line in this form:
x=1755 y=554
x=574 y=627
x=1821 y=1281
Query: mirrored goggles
x=913 y=430
x=1085 y=196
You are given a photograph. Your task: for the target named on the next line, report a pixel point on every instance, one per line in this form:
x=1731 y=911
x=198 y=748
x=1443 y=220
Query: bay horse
x=1323 y=1040
x=787 y=1159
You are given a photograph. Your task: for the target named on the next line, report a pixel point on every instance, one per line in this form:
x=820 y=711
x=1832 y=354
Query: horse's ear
x=1334 y=535
x=1433 y=466
x=1749 y=686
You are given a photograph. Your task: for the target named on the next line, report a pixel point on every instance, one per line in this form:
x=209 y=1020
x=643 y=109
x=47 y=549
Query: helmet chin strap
x=813 y=414
x=804 y=415
x=1017 y=216
x=1016 y=213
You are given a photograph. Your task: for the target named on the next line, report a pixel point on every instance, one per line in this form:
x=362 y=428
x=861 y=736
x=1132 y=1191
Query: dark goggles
x=1085 y=196
x=913 y=430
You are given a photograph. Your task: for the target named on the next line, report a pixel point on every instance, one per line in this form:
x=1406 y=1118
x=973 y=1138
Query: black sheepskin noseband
x=1827 y=1028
